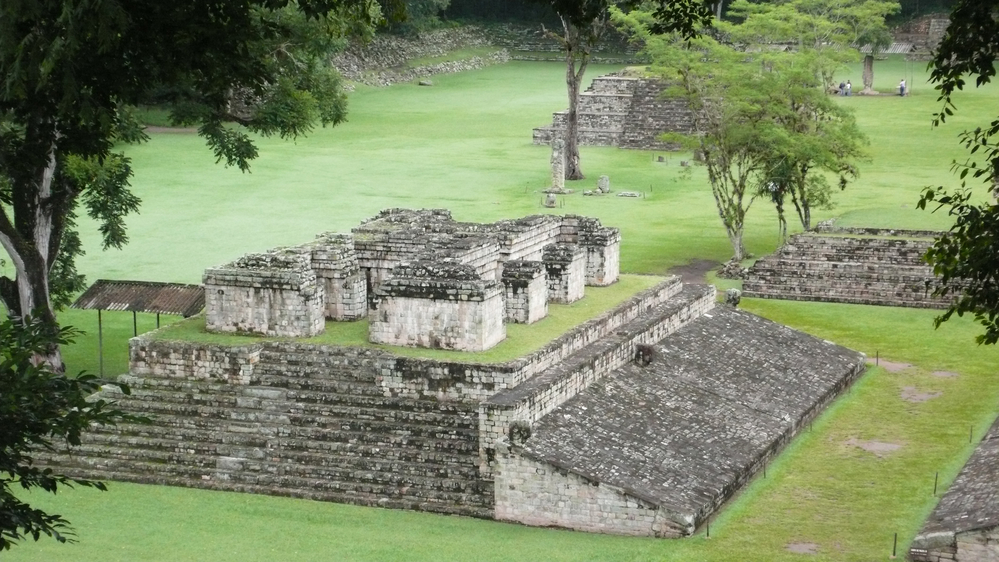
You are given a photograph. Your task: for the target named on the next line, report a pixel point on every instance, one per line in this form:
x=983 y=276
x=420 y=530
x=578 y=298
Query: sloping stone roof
x=972 y=502
x=721 y=395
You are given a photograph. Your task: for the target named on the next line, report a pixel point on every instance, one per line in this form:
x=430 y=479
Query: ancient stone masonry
x=335 y=264
x=273 y=294
x=641 y=421
x=438 y=305
x=566 y=267
x=964 y=527
x=623 y=111
x=459 y=305
x=526 y=284
x=729 y=391
x=859 y=266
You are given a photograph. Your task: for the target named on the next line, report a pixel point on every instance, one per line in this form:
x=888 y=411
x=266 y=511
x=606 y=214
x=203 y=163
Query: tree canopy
x=966 y=259
x=763 y=123
x=72 y=68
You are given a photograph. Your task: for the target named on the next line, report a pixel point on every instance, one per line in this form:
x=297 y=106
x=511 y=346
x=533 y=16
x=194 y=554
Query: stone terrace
x=964 y=526
x=655 y=449
x=623 y=111
x=858 y=266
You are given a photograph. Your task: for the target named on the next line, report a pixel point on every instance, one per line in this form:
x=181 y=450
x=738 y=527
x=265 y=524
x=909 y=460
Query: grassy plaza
x=464 y=144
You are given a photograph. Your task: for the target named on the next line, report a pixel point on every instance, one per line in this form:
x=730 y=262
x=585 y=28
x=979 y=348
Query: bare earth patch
x=694 y=271
x=945 y=374
x=879 y=448
x=890 y=366
x=912 y=394
x=803 y=548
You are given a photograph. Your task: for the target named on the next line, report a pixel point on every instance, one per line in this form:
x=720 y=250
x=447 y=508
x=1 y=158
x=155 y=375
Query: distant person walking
x=842 y=89
x=901 y=88
x=849 y=87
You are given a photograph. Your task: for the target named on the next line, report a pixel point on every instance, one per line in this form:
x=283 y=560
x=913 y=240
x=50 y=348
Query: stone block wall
x=335 y=264
x=273 y=294
x=307 y=421
x=350 y=425
x=440 y=306
x=532 y=487
x=566 y=268
x=859 y=269
x=623 y=111
x=651 y=321
x=526 y=284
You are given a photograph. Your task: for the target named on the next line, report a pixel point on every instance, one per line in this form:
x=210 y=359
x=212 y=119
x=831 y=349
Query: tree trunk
x=738 y=249
x=868 y=76
x=573 y=78
x=31 y=239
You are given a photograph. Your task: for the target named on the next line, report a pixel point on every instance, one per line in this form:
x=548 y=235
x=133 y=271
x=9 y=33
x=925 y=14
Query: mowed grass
x=465 y=144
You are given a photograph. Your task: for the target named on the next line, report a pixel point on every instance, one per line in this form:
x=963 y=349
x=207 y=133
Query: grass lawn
x=465 y=144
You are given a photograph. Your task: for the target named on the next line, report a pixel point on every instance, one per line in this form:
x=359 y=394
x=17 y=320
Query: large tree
x=815 y=137
x=829 y=30
x=71 y=68
x=966 y=259
x=584 y=24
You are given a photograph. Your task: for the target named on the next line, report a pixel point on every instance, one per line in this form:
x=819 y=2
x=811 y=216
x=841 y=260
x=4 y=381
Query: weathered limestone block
x=526 y=284
x=442 y=306
x=335 y=264
x=272 y=294
x=566 y=268
x=603 y=252
x=603 y=184
x=536 y=493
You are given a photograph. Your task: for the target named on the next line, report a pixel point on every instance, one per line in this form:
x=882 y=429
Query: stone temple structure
x=429 y=281
x=642 y=421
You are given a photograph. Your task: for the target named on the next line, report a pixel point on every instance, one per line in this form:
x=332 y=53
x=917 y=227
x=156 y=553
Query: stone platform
x=964 y=527
x=659 y=444
x=857 y=266
x=649 y=448
x=623 y=111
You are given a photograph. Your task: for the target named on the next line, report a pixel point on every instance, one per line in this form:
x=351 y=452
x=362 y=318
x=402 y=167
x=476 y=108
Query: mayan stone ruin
x=849 y=265
x=964 y=526
x=623 y=111
x=643 y=420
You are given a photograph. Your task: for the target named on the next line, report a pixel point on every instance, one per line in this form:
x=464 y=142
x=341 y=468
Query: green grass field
x=465 y=144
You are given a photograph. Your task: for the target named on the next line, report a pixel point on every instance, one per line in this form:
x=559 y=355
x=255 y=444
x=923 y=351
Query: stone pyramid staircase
x=622 y=111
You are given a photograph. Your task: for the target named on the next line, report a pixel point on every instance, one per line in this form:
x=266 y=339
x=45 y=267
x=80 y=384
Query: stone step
x=250 y=435
x=612 y=85
x=589 y=120
x=330 y=428
x=458 y=497
x=835 y=274
x=279 y=460
x=847 y=298
x=403 y=410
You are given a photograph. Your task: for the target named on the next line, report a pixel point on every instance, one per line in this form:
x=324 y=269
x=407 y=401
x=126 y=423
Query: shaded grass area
x=823 y=490
x=521 y=339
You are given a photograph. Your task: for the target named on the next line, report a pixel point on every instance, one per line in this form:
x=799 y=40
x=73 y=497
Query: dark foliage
x=967 y=258
x=41 y=410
